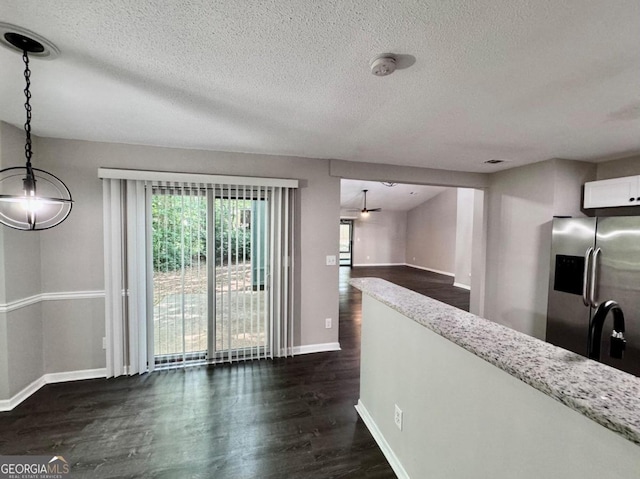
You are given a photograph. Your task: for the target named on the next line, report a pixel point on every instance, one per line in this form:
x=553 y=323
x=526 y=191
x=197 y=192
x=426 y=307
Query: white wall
x=431 y=233
x=464 y=418
x=380 y=238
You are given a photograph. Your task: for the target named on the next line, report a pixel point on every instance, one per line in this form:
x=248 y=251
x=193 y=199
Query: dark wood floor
x=288 y=418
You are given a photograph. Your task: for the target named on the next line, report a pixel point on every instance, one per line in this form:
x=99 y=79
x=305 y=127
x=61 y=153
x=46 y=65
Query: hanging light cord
x=27 y=106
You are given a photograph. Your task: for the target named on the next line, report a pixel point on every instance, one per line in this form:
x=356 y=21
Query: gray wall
x=77 y=163
x=4 y=359
x=520 y=209
x=380 y=238
x=20 y=330
x=431 y=233
x=464 y=418
x=25 y=346
x=618 y=169
x=66 y=334
x=407 y=174
x=464 y=237
x=521 y=203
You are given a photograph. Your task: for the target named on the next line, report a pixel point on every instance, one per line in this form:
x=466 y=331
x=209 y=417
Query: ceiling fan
x=365 y=211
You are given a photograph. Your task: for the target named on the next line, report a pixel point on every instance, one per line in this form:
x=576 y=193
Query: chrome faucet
x=617 y=342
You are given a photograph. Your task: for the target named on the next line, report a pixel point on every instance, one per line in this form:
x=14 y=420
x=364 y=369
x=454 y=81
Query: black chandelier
x=31 y=199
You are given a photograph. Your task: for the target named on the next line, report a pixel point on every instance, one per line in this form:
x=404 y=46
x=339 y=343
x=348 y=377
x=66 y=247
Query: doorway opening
x=346 y=243
x=437 y=229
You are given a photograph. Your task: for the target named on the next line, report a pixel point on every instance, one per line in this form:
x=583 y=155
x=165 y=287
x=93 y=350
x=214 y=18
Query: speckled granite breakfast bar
x=604 y=394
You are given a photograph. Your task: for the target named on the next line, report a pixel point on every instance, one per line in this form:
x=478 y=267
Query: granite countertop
x=604 y=394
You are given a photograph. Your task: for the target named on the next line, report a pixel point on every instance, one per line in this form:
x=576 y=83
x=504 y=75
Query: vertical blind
x=234 y=298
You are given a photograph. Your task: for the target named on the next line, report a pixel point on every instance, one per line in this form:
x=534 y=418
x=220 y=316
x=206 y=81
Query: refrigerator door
x=568 y=315
x=618 y=278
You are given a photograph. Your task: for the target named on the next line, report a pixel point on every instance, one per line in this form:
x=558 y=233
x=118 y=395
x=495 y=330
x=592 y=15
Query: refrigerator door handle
x=594 y=277
x=586 y=283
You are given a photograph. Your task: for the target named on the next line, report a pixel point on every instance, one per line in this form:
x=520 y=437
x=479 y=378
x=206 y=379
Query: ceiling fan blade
x=374 y=209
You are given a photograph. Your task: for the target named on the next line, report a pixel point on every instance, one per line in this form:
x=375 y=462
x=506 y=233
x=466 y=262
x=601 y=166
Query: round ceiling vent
x=20 y=39
x=383 y=65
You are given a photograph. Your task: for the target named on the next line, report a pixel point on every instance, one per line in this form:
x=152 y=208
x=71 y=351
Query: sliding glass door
x=180 y=278
x=210 y=266
x=346 y=242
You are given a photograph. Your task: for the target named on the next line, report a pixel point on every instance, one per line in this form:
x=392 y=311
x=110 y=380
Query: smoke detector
x=383 y=65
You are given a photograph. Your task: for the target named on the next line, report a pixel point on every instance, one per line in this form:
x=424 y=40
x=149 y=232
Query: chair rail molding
x=56 y=296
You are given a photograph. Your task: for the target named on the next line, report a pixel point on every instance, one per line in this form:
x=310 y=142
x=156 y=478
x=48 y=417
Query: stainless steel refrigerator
x=595 y=260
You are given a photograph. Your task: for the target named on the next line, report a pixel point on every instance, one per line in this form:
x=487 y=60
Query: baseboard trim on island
x=393 y=460
x=50 y=378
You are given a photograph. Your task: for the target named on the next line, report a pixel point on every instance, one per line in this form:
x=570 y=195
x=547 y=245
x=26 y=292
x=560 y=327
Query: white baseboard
x=463 y=286
x=446 y=273
x=378 y=264
x=394 y=462
x=50 y=378
x=316 y=348
x=9 y=404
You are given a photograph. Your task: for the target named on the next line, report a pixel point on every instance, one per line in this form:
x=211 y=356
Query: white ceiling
x=493 y=79
x=397 y=198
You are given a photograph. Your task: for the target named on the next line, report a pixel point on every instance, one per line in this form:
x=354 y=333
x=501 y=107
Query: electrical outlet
x=104 y=343
x=397 y=417
x=327 y=323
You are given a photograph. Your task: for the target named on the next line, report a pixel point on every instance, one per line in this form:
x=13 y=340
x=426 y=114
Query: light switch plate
x=331 y=260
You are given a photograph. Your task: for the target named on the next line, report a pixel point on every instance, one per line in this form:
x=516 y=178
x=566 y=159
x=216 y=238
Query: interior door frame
x=350 y=223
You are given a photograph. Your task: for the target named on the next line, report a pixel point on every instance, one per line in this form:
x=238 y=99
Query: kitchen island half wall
x=481 y=400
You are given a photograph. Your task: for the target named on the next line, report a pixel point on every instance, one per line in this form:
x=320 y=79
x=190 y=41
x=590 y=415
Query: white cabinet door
x=614 y=192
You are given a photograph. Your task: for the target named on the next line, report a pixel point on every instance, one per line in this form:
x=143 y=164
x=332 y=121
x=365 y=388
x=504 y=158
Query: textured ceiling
x=492 y=79
x=397 y=198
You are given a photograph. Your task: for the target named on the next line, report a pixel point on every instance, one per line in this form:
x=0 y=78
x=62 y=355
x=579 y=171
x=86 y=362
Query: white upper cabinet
x=614 y=192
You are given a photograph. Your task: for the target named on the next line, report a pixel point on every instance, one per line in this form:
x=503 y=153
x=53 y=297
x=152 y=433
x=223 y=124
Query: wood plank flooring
x=288 y=418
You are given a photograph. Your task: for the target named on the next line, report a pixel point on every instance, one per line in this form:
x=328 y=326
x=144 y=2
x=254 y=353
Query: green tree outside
x=179 y=225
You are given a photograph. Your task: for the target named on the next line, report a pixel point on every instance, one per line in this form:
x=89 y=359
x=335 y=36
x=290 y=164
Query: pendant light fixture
x=31 y=199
